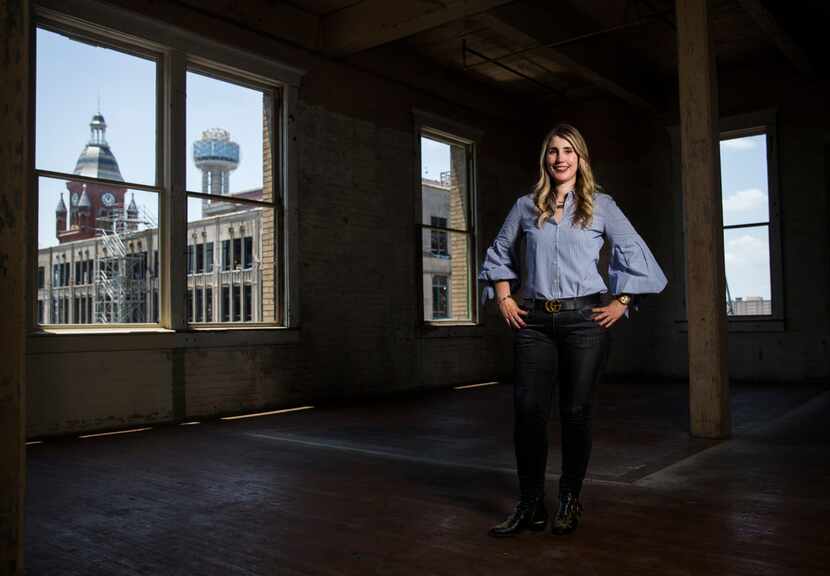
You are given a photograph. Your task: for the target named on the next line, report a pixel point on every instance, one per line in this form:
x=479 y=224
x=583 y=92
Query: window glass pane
x=189 y=305
x=744 y=186
x=234 y=234
x=746 y=253
x=208 y=304
x=227 y=126
x=200 y=258
x=95 y=111
x=226 y=303
x=96 y=243
x=447 y=278
x=444 y=186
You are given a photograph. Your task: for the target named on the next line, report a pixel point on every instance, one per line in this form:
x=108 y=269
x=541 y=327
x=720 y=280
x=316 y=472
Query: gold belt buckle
x=553 y=306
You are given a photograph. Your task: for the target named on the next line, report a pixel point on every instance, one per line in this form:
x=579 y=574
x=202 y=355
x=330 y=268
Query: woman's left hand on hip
x=605 y=316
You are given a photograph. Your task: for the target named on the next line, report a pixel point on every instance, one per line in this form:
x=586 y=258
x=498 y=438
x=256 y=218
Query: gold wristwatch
x=624 y=299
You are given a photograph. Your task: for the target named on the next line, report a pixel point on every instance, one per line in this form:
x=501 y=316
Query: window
x=237 y=253
x=230 y=121
x=199 y=305
x=189 y=256
x=97 y=198
x=248 y=252
x=246 y=302
x=226 y=254
x=440 y=301
x=189 y=304
x=237 y=303
x=104 y=199
x=746 y=224
x=208 y=304
x=40 y=278
x=751 y=230
x=438 y=234
x=226 y=303
x=447 y=184
x=209 y=257
x=200 y=258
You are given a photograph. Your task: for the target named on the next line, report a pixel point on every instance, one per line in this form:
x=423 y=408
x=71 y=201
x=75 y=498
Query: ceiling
x=570 y=49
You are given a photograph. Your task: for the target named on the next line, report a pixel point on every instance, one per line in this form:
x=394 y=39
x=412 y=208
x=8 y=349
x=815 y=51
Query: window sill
x=450 y=329
x=757 y=324
x=62 y=341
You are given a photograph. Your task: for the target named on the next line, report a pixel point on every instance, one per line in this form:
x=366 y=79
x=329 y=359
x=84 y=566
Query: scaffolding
x=120 y=287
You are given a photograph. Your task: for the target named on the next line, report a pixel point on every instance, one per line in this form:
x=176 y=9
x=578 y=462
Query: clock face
x=75 y=197
x=108 y=198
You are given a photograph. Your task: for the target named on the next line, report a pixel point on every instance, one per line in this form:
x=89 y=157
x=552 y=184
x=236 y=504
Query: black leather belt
x=554 y=306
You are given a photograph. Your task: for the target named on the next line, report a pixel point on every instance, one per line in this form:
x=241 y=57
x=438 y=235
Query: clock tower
x=94 y=207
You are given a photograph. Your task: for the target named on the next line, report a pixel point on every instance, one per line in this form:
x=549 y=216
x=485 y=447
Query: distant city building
x=106 y=266
x=751 y=306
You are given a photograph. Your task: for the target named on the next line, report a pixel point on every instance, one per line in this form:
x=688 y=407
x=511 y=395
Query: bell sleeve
x=632 y=268
x=500 y=258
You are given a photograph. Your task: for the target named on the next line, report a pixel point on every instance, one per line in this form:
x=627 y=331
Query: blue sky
x=435 y=158
x=72 y=77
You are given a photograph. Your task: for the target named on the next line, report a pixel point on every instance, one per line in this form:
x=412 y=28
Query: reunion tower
x=216 y=156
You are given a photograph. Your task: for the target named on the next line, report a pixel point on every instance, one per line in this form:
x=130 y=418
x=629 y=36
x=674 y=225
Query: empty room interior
x=246 y=328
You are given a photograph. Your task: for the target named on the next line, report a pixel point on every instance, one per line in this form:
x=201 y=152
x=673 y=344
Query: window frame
x=443 y=129
x=175 y=50
x=751 y=124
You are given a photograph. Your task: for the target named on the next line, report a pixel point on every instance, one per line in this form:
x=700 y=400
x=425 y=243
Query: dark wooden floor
x=411 y=486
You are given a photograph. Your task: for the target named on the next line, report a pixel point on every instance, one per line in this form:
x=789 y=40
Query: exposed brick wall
x=361 y=330
x=459 y=249
x=270 y=288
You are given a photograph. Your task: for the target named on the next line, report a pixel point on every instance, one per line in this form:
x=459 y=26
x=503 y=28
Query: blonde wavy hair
x=544 y=193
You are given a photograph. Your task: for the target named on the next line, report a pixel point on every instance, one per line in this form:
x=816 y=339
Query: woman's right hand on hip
x=511 y=313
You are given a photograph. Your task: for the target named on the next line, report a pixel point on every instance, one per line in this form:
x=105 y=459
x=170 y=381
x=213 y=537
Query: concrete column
x=14 y=195
x=705 y=298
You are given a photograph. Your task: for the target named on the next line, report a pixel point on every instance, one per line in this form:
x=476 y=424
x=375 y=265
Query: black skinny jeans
x=567 y=348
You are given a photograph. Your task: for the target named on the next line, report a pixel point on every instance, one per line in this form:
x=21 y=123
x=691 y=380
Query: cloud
x=745 y=200
x=746 y=249
x=747 y=265
x=746 y=143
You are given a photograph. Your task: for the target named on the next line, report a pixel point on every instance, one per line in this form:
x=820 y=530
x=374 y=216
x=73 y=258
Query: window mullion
x=174 y=232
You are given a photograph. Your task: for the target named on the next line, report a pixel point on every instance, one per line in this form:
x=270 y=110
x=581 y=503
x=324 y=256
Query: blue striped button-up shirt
x=560 y=260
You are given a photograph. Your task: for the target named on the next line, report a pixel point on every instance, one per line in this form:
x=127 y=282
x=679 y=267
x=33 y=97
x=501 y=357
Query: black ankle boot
x=529 y=514
x=568 y=514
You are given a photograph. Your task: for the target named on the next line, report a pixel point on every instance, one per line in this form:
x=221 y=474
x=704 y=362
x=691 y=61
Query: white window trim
x=177 y=48
x=764 y=121
x=427 y=122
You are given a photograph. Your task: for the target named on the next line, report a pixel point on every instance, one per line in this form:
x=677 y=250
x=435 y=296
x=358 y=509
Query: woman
x=561 y=326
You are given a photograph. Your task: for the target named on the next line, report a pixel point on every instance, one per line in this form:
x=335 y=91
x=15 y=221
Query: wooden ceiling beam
x=768 y=25
x=509 y=23
x=373 y=23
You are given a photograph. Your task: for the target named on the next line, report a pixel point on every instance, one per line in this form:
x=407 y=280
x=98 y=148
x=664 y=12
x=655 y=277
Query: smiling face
x=561 y=161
